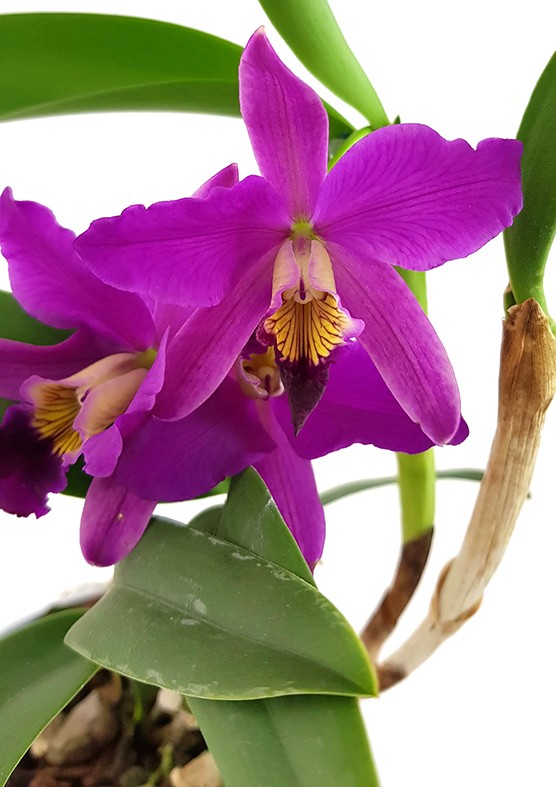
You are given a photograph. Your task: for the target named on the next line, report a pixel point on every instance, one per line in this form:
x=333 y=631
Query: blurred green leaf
x=210 y=618
x=38 y=676
x=16 y=324
x=55 y=64
x=307 y=741
x=529 y=239
x=353 y=487
x=310 y=29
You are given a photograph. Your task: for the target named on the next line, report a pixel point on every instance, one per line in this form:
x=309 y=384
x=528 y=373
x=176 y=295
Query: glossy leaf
x=209 y=618
x=55 y=64
x=16 y=324
x=529 y=239
x=311 y=31
x=353 y=487
x=38 y=676
x=307 y=741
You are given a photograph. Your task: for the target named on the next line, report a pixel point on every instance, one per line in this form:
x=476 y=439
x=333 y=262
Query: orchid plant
x=217 y=344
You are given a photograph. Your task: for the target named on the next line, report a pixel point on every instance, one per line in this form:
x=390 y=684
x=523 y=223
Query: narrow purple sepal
x=291 y=483
x=29 y=470
x=113 y=521
x=287 y=124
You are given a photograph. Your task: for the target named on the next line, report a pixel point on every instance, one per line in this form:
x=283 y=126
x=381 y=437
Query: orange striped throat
x=307 y=323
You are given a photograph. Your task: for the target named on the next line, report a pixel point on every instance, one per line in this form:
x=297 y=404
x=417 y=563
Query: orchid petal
x=18 y=361
x=357 y=407
x=103 y=450
x=411 y=198
x=28 y=468
x=52 y=283
x=113 y=521
x=287 y=124
x=291 y=483
x=401 y=342
x=206 y=348
x=226 y=178
x=179 y=460
x=191 y=251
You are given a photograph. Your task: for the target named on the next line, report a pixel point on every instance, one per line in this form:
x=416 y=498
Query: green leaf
x=209 y=618
x=307 y=741
x=529 y=239
x=353 y=487
x=39 y=676
x=16 y=324
x=55 y=64
x=310 y=29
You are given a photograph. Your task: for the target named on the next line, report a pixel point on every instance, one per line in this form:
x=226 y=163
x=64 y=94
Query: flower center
x=259 y=376
x=308 y=324
x=69 y=411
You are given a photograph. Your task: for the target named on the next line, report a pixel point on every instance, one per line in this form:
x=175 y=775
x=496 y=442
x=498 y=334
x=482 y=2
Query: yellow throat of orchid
x=309 y=324
x=69 y=411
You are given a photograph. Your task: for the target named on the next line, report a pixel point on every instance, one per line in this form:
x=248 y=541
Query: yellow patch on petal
x=55 y=411
x=308 y=331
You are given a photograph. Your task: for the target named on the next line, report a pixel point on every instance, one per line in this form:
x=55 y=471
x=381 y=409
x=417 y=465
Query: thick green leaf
x=310 y=29
x=307 y=741
x=249 y=520
x=54 y=64
x=529 y=239
x=210 y=618
x=17 y=324
x=353 y=487
x=38 y=676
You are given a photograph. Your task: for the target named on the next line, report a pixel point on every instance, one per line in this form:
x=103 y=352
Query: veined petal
x=401 y=342
x=413 y=199
x=179 y=460
x=18 y=361
x=53 y=284
x=287 y=125
x=191 y=251
x=206 y=348
x=29 y=470
x=226 y=178
x=357 y=407
x=291 y=483
x=113 y=521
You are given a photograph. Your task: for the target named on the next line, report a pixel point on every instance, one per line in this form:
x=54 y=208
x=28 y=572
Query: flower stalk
x=527 y=385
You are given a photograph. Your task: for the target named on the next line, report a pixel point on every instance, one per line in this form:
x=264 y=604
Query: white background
x=481 y=711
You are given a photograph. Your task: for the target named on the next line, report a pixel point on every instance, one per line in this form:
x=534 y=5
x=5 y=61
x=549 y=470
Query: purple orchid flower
x=305 y=259
x=87 y=394
x=97 y=394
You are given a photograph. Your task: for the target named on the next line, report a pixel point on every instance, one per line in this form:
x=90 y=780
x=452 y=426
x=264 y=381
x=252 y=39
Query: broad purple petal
x=226 y=178
x=357 y=407
x=191 y=251
x=206 y=348
x=291 y=483
x=179 y=460
x=53 y=284
x=113 y=521
x=411 y=198
x=287 y=125
x=29 y=470
x=401 y=342
x=18 y=361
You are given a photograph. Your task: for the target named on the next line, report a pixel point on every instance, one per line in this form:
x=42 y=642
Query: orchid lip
x=70 y=411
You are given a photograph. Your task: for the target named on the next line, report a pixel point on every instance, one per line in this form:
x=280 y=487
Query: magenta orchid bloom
x=305 y=259
x=88 y=394
x=97 y=394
